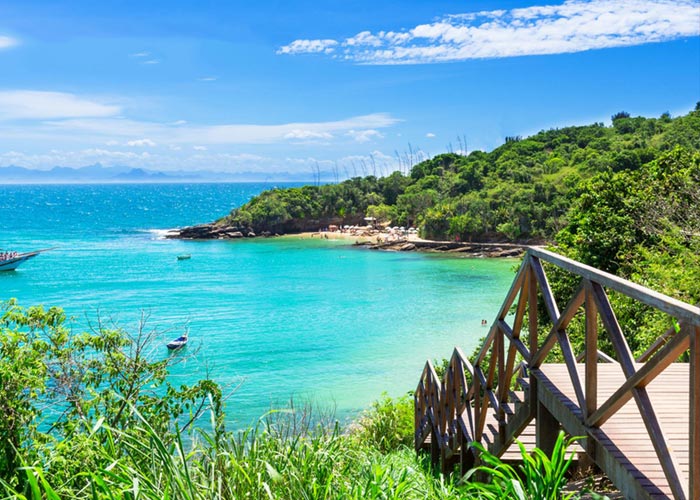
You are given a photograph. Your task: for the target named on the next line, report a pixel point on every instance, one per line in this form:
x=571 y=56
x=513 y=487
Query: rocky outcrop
x=211 y=231
x=222 y=230
x=473 y=249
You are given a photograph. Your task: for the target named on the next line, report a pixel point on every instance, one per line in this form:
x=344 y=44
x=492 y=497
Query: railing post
x=546 y=429
x=499 y=348
x=532 y=334
x=591 y=363
x=694 y=451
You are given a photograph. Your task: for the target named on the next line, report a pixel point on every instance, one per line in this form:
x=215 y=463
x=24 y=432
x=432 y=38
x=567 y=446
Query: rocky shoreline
x=455 y=247
x=214 y=231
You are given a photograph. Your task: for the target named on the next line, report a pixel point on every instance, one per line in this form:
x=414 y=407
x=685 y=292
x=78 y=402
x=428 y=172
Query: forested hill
x=520 y=191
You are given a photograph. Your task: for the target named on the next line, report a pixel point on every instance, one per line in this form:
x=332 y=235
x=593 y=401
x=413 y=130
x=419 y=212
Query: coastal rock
x=211 y=231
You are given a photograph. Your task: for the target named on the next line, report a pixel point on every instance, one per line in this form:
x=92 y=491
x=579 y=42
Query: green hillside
x=520 y=191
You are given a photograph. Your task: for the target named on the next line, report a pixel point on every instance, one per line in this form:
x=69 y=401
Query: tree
x=56 y=383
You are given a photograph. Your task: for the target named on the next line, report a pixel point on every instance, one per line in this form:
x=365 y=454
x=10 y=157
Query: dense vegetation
x=89 y=416
x=521 y=190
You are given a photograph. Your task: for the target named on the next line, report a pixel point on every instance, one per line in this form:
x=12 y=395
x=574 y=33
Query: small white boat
x=178 y=342
x=9 y=261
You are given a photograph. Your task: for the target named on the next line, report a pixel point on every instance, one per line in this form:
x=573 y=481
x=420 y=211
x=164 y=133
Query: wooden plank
x=679 y=487
x=667 y=355
x=522 y=307
x=674 y=307
x=626 y=433
x=570 y=361
x=516 y=342
x=547 y=295
x=514 y=287
x=561 y=323
x=617 y=338
x=658 y=344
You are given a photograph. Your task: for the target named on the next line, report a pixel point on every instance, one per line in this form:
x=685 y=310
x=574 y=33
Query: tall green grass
x=285 y=456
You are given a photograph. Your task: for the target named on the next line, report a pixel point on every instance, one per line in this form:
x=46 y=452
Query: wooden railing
x=492 y=399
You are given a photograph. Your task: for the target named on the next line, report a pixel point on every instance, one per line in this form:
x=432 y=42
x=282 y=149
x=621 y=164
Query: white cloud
x=151 y=61
x=53 y=118
x=141 y=143
x=430 y=135
x=573 y=26
x=169 y=133
x=308 y=47
x=364 y=135
x=33 y=104
x=306 y=135
x=199 y=148
x=6 y=42
x=207 y=79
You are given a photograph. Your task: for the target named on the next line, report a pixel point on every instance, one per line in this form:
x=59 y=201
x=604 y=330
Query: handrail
x=471 y=394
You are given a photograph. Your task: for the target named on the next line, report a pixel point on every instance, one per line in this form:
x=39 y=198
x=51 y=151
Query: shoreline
x=366 y=237
x=412 y=243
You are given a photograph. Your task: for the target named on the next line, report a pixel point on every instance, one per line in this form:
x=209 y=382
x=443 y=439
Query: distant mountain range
x=123 y=174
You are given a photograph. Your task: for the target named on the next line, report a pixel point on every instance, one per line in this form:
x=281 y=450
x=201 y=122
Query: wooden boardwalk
x=624 y=438
x=638 y=419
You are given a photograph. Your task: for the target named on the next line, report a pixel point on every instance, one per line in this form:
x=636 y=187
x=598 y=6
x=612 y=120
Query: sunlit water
x=276 y=318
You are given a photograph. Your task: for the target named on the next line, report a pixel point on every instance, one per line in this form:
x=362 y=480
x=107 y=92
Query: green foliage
x=119 y=434
x=388 y=424
x=539 y=477
x=521 y=190
x=56 y=385
x=643 y=225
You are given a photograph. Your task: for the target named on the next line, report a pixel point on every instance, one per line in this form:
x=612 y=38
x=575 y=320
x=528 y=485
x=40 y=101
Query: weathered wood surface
x=639 y=419
x=624 y=435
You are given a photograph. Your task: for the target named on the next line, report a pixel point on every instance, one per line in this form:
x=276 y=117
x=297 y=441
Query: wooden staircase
x=638 y=419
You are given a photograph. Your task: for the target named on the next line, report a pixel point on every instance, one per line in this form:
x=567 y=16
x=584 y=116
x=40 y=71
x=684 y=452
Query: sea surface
x=273 y=319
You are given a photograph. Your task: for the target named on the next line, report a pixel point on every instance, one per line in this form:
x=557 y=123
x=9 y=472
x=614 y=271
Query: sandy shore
x=359 y=237
x=387 y=241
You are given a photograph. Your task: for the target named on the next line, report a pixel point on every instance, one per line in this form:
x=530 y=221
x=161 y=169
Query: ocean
x=271 y=320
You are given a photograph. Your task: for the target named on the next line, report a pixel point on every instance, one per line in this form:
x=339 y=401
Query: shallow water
x=277 y=318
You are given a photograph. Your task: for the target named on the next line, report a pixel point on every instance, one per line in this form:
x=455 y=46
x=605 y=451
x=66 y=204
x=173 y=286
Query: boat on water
x=9 y=261
x=184 y=256
x=178 y=343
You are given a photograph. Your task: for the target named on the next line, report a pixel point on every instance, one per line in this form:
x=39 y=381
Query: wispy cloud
x=574 y=26
x=141 y=143
x=151 y=61
x=140 y=54
x=34 y=104
x=307 y=135
x=6 y=42
x=58 y=118
x=430 y=135
x=309 y=47
x=364 y=135
x=86 y=128
x=207 y=79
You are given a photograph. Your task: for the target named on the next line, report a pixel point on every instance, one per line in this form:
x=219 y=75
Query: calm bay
x=275 y=318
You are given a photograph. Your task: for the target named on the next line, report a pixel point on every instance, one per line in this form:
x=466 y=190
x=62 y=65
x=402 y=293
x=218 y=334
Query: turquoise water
x=315 y=320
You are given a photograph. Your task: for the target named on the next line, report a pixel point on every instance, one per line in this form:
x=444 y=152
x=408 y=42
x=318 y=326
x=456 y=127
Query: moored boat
x=184 y=256
x=178 y=342
x=9 y=261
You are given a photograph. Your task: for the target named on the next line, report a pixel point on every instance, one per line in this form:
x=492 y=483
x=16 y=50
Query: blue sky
x=274 y=86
